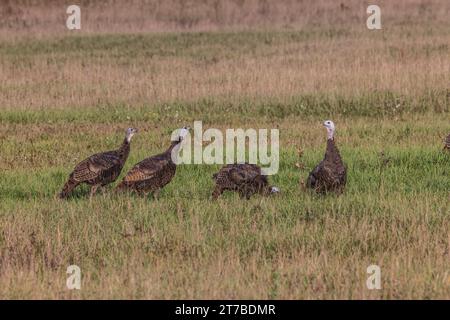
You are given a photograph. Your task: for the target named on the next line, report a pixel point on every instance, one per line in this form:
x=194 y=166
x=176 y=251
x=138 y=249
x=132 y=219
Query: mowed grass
x=65 y=99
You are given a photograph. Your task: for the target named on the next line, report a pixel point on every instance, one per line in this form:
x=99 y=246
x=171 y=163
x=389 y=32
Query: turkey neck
x=124 y=149
x=174 y=144
x=332 y=153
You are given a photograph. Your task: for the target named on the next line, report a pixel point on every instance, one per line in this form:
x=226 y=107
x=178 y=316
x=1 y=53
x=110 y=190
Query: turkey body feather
x=447 y=143
x=330 y=175
x=244 y=178
x=98 y=170
x=151 y=174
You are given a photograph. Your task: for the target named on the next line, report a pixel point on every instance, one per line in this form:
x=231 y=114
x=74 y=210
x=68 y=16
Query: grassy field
x=66 y=96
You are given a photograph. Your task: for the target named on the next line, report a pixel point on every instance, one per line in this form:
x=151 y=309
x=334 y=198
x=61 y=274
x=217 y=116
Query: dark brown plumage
x=152 y=174
x=244 y=178
x=99 y=169
x=447 y=143
x=330 y=175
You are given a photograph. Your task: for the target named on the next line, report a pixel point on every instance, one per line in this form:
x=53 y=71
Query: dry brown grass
x=43 y=18
x=351 y=64
x=331 y=52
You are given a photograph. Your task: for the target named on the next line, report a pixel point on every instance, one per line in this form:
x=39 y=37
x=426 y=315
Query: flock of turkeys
x=153 y=173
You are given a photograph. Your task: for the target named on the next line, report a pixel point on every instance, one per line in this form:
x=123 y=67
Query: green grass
x=375 y=104
x=196 y=46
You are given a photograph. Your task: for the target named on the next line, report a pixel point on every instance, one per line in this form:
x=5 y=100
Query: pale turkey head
x=270 y=190
x=274 y=189
x=329 y=125
x=130 y=133
x=183 y=133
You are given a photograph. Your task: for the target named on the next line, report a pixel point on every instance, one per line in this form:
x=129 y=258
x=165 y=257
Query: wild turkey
x=99 y=169
x=447 y=143
x=244 y=178
x=152 y=174
x=330 y=174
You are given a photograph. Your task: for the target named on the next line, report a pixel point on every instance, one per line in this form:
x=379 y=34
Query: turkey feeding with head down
x=244 y=178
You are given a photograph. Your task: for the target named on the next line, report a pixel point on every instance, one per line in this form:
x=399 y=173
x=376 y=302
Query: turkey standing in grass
x=330 y=174
x=244 y=178
x=447 y=143
x=99 y=169
x=152 y=174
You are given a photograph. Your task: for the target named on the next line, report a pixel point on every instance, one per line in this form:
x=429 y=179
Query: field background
x=159 y=65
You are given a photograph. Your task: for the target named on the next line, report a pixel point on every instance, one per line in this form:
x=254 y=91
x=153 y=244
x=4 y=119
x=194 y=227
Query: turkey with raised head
x=330 y=175
x=99 y=169
x=152 y=174
x=244 y=178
